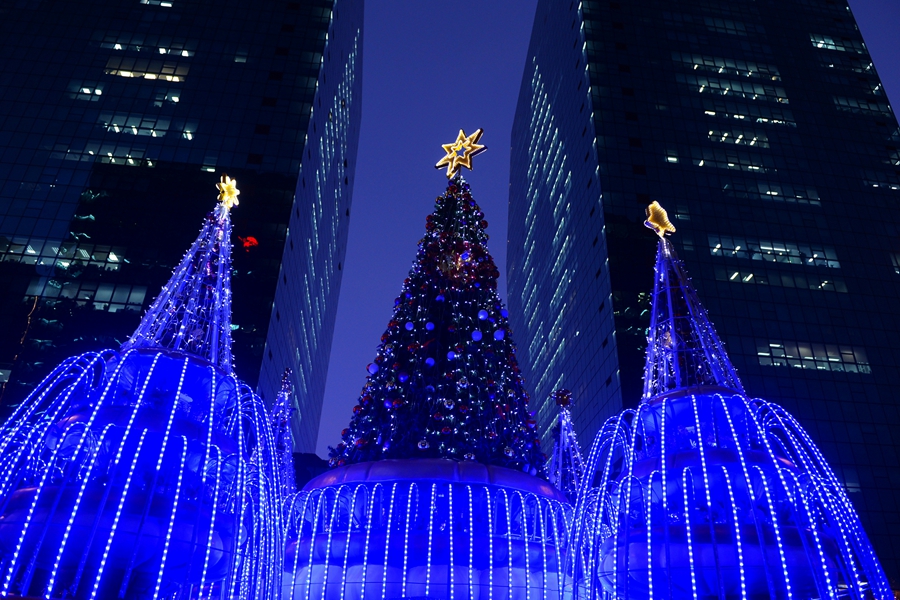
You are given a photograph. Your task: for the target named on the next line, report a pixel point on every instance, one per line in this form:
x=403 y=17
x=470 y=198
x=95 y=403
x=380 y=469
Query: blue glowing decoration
x=701 y=492
x=427 y=528
x=565 y=465
x=281 y=432
x=151 y=471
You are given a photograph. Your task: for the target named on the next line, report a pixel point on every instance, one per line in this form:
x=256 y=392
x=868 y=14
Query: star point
x=460 y=152
x=658 y=220
x=228 y=192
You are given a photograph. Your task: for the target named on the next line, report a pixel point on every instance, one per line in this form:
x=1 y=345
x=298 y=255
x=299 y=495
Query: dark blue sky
x=430 y=68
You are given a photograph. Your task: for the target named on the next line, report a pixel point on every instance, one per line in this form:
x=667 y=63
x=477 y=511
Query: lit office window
x=805 y=355
x=771 y=251
x=803 y=281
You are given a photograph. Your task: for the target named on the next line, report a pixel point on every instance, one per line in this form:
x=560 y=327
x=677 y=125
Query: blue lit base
x=426 y=528
x=709 y=495
x=130 y=475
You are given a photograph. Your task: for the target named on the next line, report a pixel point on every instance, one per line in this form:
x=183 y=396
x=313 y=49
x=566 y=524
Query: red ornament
x=446 y=431
x=248 y=242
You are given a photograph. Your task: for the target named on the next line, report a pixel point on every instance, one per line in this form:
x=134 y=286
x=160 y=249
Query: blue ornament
x=451 y=355
x=476 y=335
x=402 y=376
x=482 y=314
x=409 y=326
x=388 y=403
x=439 y=298
x=498 y=335
x=504 y=313
x=429 y=361
x=372 y=368
x=429 y=325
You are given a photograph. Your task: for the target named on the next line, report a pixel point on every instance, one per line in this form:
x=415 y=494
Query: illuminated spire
x=565 y=466
x=683 y=350
x=192 y=313
x=281 y=431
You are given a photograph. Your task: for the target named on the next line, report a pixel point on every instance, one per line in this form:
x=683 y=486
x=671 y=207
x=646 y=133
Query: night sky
x=429 y=69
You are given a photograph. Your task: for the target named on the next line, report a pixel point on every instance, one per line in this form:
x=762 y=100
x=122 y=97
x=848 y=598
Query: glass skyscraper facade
x=116 y=121
x=763 y=129
x=302 y=318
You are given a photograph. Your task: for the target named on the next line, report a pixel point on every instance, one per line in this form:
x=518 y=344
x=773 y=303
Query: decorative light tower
x=565 y=467
x=128 y=474
x=437 y=488
x=702 y=492
x=281 y=431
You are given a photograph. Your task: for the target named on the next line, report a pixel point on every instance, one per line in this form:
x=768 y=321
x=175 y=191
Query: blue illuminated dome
x=146 y=472
x=701 y=492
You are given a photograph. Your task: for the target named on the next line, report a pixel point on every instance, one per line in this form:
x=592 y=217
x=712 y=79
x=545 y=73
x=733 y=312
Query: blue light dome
x=702 y=492
x=150 y=471
x=426 y=528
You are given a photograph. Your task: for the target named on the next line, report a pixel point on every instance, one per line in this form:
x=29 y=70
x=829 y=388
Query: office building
x=302 y=318
x=764 y=130
x=117 y=120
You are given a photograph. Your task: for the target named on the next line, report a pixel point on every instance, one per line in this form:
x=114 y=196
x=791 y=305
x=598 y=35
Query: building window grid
x=738 y=89
x=817 y=356
x=772 y=191
x=727 y=66
x=770 y=251
x=33 y=251
x=803 y=281
x=841 y=44
x=739 y=137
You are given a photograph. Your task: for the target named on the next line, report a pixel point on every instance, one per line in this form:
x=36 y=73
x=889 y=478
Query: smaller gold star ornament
x=460 y=152
x=658 y=220
x=228 y=192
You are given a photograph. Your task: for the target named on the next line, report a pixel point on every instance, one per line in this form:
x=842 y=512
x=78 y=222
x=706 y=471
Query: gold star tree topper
x=658 y=220
x=460 y=152
x=228 y=192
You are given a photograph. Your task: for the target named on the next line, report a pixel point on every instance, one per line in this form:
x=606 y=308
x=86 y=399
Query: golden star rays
x=460 y=152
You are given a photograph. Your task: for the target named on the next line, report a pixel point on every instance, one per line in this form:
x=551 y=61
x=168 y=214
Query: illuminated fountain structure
x=438 y=487
x=146 y=472
x=702 y=492
x=426 y=528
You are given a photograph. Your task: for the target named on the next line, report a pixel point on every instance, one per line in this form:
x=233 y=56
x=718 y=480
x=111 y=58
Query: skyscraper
x=764 y=129
x=302 y=317
x=117 y=116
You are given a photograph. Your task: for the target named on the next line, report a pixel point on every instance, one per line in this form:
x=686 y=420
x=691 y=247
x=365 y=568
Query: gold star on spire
x=460 y=152
x=658 y=220
x=228 y=192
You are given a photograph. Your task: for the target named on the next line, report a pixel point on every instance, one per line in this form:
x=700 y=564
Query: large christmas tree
x=445 y=382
